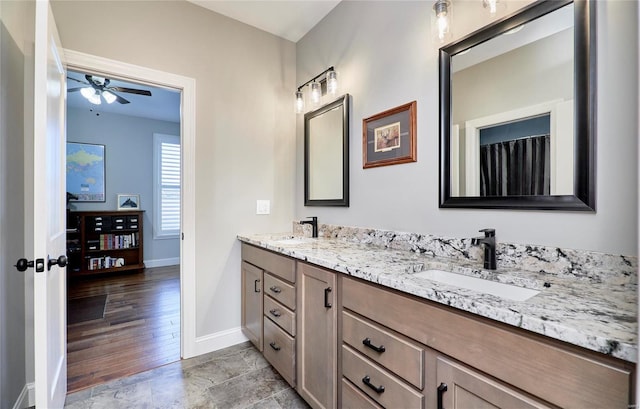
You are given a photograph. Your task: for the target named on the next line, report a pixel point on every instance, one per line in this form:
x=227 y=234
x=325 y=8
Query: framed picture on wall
x=389 y=138
x=128 y=201
x=85 y=171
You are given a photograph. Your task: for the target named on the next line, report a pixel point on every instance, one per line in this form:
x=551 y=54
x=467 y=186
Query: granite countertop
x=598 y=316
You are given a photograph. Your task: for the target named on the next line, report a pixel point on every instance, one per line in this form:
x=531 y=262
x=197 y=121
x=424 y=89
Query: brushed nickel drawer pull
x=367 y=381
x=274 y=346
x=367 y=343
x=275 y=312
x=275 y=289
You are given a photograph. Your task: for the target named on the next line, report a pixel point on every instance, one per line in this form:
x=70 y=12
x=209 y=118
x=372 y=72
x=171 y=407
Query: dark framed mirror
x=326 y=154
x=518 y=111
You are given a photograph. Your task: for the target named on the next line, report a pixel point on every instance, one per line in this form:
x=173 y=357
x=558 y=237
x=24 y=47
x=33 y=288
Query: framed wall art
x=389 y=138
x=128 y=201
x=85 y=171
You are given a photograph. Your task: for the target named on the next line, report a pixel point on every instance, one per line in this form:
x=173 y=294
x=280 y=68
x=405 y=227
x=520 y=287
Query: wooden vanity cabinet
x=268 y=307
x=317 y=336
x=482 y=363
x=252 y=303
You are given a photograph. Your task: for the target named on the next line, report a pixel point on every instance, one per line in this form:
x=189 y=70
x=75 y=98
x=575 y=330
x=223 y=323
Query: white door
x=49 y=223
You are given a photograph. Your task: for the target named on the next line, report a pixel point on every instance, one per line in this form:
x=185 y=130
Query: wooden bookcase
x=104 y=242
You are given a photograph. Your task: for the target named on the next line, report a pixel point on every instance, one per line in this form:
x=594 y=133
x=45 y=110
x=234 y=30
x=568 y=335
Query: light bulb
x=443 y=23
x=109 y=97
x=316 y=93
x=87 y=92
x=95 y=99
x=299 y=102
x=332 y=82
x=492 y=5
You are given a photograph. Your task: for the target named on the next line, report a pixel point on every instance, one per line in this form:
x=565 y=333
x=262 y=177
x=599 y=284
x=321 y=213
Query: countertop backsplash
x=570 y=263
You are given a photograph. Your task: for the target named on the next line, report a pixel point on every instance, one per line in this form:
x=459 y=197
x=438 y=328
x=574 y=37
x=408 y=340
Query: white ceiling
x=290 y=19
x=163 y=104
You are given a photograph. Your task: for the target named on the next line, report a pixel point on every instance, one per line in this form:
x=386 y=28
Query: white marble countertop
x=598 y=316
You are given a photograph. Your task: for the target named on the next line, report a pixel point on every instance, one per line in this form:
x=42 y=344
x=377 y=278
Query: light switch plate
x=263 y=206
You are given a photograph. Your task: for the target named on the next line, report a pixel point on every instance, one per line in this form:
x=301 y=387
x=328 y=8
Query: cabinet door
x=252 y=303
x=316 y=336
x=466 y=388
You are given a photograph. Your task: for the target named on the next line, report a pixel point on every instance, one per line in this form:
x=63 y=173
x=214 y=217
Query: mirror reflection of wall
x=325 y=155
x=523 y=74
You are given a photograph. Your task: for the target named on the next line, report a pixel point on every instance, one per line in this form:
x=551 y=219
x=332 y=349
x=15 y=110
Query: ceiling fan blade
x=76 y=80
x=74 y=89
x=131 y=90
x=119 y=98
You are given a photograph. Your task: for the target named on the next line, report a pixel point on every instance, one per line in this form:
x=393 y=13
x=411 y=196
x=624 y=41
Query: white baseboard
x=162 y=262
x=27 y=397
x=219 y=340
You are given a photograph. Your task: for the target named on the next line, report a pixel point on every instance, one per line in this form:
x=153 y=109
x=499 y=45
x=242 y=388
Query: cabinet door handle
x=274 y=346
x=275 y=289
x=367 y=381
x=327 y=304
x=275 y=312
x=441 y=390
x=255 y=286
x=367 y=343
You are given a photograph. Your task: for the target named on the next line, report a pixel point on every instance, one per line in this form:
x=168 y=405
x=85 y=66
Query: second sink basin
x=508 y=291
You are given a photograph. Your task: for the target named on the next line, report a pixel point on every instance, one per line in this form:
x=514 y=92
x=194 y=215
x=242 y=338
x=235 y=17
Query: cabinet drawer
x=280 y=266
x=279 y=350
x=281 y=315
x=118 y=220
x=564 y=376
x=367 y=376
x=403 y=358
x=353 y=398
x=279 y=290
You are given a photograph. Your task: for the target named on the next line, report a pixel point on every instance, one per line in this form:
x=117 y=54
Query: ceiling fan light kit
x=97 y=87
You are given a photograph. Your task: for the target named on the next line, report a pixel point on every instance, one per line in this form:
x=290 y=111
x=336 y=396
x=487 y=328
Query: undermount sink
x=508 y=291
x=295 y=240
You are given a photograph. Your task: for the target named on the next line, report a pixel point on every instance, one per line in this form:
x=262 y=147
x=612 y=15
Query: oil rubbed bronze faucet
x=314 y=224
x=489 y=243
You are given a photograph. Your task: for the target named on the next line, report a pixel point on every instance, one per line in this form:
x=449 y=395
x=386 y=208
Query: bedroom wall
x=128 y=145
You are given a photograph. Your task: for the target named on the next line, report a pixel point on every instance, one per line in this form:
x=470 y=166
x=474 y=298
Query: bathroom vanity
x=361 y=327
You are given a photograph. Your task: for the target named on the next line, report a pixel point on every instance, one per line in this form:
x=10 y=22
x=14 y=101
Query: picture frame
x=86 y=171
x=128 y=201
x=389 y=138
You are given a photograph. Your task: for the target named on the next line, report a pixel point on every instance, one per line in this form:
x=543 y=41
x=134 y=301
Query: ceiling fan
x=97 y=87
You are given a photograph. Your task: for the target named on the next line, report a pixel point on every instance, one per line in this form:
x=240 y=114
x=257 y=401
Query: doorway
x=143 y=76
x=123 y=184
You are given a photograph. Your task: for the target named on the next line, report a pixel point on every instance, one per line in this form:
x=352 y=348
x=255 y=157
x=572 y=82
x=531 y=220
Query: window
x=166 y=175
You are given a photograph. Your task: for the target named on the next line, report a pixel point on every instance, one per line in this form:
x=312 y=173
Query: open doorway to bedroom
x=123 y=283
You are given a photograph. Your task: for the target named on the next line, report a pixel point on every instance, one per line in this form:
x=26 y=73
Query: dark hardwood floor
x=140 y=329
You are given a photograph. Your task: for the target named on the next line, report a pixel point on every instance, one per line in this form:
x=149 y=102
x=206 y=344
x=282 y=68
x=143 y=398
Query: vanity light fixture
x=442 y=11
x=330 y=81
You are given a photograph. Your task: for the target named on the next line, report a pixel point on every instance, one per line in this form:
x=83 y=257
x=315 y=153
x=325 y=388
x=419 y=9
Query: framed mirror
x=518 y=112
x=326 y=154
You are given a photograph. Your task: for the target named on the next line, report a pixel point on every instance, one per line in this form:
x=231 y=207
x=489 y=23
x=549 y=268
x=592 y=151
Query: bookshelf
x=104 y=242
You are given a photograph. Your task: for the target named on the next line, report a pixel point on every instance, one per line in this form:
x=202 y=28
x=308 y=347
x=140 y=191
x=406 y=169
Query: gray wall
x=129 y=165
x=385 y=57
x=245 y=126
x=12 y=283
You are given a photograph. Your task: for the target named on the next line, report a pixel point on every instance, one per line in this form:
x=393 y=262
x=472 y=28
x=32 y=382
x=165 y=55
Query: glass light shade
x=87 y=92
x=332 y=83
x=299 y=102
x=109 y=97
x=316 y=93
x=442 y=10
x=491 y=6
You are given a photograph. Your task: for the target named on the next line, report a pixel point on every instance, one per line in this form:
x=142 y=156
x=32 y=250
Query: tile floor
x=235 y=377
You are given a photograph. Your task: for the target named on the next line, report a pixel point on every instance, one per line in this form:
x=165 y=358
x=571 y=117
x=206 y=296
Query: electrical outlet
x=263 y=206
